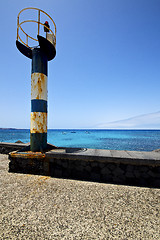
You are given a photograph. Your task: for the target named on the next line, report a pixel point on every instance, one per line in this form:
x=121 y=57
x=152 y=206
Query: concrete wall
x=108 y=166
x=6 y=148
x=106 y=172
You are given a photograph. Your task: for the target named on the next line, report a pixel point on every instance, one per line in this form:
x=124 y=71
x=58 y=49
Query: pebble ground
x=38 y=207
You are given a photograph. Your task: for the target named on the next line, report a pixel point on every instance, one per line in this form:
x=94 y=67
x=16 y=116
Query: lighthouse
x=43 y=51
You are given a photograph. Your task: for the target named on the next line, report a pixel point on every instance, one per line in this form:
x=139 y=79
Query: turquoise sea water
x=133 y=140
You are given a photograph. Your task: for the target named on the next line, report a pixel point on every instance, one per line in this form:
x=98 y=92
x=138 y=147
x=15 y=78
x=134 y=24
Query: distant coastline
x=14 y=129
x=8 y=128
x=90 y=129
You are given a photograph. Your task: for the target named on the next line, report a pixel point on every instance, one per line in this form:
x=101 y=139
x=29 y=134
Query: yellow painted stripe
x=39 y=86
x=38 y=122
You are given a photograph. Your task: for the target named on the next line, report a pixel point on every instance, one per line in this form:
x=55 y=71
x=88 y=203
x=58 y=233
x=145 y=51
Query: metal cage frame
x=38 y=22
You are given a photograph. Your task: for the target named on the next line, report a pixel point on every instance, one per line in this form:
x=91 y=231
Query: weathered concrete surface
x=37 y=207
x=136 y=157
x=5 y=148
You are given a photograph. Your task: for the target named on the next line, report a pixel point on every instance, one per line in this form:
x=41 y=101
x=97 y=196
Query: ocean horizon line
x=123 y=129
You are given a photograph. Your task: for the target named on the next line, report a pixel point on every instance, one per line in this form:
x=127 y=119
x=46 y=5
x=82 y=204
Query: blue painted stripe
x=39 y=61
x=38 y=142
x=38 y=105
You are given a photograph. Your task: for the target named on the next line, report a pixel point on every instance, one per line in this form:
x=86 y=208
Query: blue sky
x=107 y=66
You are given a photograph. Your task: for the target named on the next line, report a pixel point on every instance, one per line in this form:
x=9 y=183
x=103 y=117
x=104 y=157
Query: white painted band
x=39 y=86
x=38 y=122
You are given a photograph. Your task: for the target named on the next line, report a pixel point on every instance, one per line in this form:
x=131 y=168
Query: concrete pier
x=107 y=166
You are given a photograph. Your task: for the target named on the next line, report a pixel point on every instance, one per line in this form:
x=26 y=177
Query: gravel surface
x=37 y=207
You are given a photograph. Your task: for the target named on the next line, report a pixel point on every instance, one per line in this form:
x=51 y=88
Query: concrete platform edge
x=122 y=167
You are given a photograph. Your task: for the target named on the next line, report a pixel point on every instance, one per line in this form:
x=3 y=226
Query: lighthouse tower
x=40 y=50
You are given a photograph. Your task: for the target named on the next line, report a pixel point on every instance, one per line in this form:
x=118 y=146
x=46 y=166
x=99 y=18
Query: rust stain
x=28 y=154
x=44 y=177
x=39 y=86
x=38 y=122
